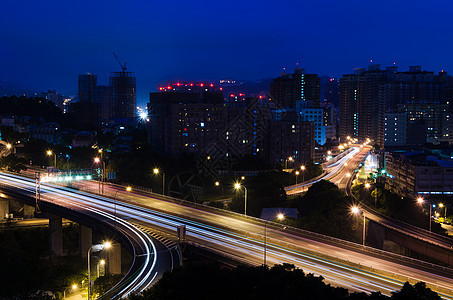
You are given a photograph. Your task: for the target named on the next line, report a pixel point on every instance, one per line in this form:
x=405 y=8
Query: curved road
x=242 y=238
x=145 y=268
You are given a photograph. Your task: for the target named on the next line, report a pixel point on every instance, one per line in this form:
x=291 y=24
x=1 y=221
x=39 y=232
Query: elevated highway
x=342 y=173
x=341 y=263
x=150 y=257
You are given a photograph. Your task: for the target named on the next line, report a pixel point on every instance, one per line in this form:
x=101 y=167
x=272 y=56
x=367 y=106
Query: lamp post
x=101 y=152
x=367 y=186
x=128 y=189
x=98 y=160
x=445 y=210
x=420 y=201
x=286 y=161
x=73 y=287
x=50 y=153
x=156 y=171
x=280 y=217
x=297 y=175
x=356 y=210
x=100 y=263
x=238 y=186
x=217 y=183
x=302 y=168
x=97 y=247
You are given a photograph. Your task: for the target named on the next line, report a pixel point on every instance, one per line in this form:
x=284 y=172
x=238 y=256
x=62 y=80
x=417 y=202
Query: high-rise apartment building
x=123 y=85
x=93 y=105
x=287 y=89
x=87 y=86
x=361 y=107
x=395 y=129
x=368 y=94
x=185 y=119
x=290 y=137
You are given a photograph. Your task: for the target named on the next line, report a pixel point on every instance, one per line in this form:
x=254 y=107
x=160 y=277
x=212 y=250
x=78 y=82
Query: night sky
x=46 y=44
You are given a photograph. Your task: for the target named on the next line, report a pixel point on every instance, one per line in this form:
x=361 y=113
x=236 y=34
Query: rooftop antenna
x=123 y=66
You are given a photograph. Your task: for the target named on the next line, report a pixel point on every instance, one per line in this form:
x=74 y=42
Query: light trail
x=244 y=239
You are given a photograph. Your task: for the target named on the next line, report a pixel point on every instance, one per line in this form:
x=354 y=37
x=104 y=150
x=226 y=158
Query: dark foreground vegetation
x=208 y=281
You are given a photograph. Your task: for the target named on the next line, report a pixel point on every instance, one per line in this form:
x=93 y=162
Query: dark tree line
x=208 y=281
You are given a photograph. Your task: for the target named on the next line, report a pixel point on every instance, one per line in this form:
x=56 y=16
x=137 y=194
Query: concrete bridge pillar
x=114 y=259
x=55 y=235
x=29 y=211
x=85 y=240
x=4 y=208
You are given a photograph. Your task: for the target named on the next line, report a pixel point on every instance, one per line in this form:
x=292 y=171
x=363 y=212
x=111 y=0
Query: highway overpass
x=236 y=236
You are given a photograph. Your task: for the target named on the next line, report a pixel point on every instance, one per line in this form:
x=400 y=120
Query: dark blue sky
x=46 y=44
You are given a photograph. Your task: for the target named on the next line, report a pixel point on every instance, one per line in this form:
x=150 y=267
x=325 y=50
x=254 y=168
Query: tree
x=325 y=209
x=418 y=291
x=13 y=163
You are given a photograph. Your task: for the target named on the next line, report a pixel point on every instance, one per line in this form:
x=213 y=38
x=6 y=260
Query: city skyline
x=53 y=43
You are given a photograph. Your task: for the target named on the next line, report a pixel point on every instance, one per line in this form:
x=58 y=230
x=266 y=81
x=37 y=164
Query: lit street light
x=238 y=186
x=445 y=210
x=302 y=168
x=286 y=161
x=367 y=186
x=98 y=160
x=356 y=210
x=280 y=217
x=50 y=153
x=297 y=175
x=94 y=248
x=217 y=184
x=73 y=287
x=100 y=263
x=421 y=201
x=128 y=189
x=156 y=172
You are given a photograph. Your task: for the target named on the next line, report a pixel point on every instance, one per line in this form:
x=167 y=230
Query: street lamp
x=280 y=216
x=95 y=248
x=98 y=160
x=420 y=201
x=50 y=153
x=156 y=172
x=100 y=263
x=238 y=186
x=73 y=287
x=217 y=184
x=297 y=174
x=128 y=189
x=286 y=161
x=367 y=186
x=445 y=210
x=302 y=168
x=356 y=210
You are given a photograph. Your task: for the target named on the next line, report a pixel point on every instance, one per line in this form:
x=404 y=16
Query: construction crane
x=123 y=66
